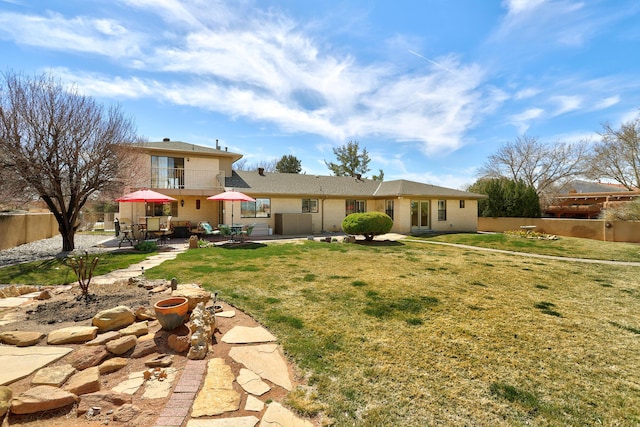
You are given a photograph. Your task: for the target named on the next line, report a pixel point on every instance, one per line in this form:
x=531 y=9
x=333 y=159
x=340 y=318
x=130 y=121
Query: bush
x=146 y=246
x=368 y=224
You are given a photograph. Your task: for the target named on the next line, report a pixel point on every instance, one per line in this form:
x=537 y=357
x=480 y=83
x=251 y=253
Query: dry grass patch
x=418 y=335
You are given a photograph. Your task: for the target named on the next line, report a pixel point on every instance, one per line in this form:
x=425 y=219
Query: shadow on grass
x=249 y=245
x=379 y=243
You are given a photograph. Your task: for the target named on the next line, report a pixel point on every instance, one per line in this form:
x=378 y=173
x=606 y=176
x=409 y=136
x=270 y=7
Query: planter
x=171 y=312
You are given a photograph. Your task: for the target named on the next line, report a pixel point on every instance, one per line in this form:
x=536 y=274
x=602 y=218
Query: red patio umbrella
x=232 y=196
x=144 y=196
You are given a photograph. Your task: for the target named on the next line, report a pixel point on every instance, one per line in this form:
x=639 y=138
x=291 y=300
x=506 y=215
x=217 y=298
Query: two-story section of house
x=284 y=203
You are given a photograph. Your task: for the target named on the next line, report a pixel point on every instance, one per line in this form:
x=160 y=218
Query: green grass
x=564 y=246
x=439 y=337
x=57 y=271
x=415 y=334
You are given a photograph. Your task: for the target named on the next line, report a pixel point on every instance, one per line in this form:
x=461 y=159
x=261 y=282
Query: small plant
x=84 y=271
x=146 y=246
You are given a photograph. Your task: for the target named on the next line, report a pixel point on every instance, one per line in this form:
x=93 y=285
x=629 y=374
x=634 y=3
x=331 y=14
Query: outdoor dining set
x=150 y=227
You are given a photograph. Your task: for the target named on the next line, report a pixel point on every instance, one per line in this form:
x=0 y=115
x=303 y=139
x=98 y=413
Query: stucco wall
x=597 y=229
x=458 y=219
x=21 y=228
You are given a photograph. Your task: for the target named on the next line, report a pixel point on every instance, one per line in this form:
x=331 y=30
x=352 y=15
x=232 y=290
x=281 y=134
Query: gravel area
x=51 y=248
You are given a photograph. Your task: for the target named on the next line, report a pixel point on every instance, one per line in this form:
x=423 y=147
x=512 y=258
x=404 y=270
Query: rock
x=144 y=348
x=251 y=382
x=145 y=313
x=179 y=343
x=72 y=335
x=44 y=295
x=203 y=324
x=21 y=338
x=160 y=361
x=122 y=344
x=83 y=382
x=105 y=400
x=104 y=338
x=217 y=394
x=278 y=415
x=194 y=294
x=5 y=399
x=53 y=375
x=112 y=365
x=114 y=318
x=126 y=413
x=137 y=329
x=41 y=398
x=86 y=357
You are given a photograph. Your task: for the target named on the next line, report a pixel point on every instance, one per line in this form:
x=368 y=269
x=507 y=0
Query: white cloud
x=79 y=34
x=565 y=104
x=521 y=121
x=606 y=102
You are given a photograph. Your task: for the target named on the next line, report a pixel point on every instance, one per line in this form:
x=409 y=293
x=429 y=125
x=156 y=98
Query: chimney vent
x=166 y=140
x=261 y=171
x=358 y=177
x=217 y=145
x=226 y=148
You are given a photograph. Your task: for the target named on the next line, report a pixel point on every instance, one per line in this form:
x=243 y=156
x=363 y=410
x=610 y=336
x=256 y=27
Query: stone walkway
x=202 y=394
x=205 y=386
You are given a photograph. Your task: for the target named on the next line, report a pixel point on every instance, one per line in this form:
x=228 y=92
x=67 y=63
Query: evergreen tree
x=507 y=198
x=288 y=164
x=350 y=161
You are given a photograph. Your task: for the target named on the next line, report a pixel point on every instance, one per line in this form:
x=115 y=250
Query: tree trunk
x=68 y=240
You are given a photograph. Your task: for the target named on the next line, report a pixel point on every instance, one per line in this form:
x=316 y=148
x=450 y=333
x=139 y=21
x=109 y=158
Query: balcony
x=186 y=179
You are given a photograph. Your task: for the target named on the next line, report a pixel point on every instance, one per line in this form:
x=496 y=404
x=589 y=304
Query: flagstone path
x=240 y=383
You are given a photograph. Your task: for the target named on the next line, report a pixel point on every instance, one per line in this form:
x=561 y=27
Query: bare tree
x=62 y=146
x=267 y=165
x=542 y=166
x=617 y=155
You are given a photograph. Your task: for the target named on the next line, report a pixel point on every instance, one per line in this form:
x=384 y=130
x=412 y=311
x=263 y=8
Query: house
x=285 y=203
x=587 y=200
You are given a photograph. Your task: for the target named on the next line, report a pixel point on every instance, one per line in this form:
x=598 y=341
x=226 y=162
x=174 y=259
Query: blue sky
x=431 y=88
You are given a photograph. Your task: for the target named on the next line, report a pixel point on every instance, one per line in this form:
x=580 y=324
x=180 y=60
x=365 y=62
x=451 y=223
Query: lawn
x=563 y=246
x=57 y=271
x=415 y=334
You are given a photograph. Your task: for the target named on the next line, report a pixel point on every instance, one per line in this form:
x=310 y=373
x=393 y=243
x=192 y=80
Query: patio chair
x=225 y=230
x=207 y=230
x=245 y=233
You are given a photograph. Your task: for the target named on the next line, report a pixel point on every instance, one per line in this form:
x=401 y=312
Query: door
x=420 y=219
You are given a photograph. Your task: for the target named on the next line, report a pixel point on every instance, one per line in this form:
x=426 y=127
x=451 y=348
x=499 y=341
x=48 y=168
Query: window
x=388 y=208
x=261 y=208
x=167 y=172
x=461 y=204
x=355 y=206
x=442 y=210
x=309 y=205
x=162 y=209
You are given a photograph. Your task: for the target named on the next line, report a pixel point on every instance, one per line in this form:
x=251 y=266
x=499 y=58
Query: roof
x=283 y=184
x=185 y=148
x=578 y=186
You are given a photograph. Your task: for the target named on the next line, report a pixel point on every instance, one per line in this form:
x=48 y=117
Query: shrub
x=369 y=224
x=146 y=246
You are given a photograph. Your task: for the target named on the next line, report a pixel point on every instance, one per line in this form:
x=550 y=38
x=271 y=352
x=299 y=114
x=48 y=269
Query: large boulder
x=114 y=318
x=21 y=338
x=41 y=398
x=72 y=335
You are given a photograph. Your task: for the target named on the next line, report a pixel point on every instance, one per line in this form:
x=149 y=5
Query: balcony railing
x=188 y=179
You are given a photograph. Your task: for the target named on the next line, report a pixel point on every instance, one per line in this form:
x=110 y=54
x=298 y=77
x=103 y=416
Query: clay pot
x=171 y=312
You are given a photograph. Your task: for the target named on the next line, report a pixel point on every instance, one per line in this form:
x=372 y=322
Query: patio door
x=420 y=219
